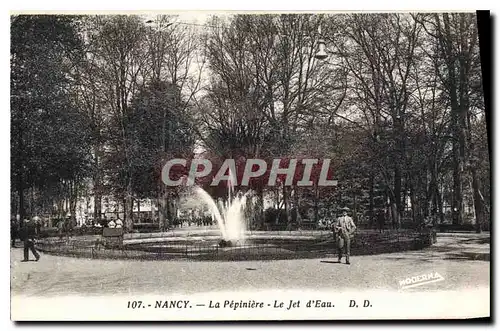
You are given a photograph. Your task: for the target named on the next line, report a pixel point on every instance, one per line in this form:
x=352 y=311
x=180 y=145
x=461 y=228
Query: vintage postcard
x=239 y=166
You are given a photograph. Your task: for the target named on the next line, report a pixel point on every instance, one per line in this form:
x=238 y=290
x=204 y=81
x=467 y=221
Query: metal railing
x=276 y=245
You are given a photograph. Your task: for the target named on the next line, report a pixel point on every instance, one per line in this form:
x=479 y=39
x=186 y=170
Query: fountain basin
x=260 y=246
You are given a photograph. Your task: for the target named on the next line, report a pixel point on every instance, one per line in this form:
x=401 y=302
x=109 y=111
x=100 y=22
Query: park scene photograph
x=249 y=166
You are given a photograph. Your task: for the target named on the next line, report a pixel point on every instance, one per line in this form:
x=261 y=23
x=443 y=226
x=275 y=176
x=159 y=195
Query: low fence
x=279 y=247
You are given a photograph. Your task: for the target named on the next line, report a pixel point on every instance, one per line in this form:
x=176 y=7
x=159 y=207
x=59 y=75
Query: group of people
x=115 y=224
x=27 y=231
x=196 y=221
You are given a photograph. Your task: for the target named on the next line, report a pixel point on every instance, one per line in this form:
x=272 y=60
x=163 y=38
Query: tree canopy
x=99 y=103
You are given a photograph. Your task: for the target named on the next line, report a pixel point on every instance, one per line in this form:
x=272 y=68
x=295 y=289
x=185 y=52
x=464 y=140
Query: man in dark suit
x=28 y=232
x=344 y=229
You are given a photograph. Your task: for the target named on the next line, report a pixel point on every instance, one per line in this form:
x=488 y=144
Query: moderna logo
x=420 y=280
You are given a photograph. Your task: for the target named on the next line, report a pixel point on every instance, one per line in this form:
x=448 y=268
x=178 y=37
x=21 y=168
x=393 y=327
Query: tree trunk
x=20 y=192
x=66 y=197
x=175 y=206
x=422 y=196
x=278 y=205
x=32 y=202
x=457 y=202
x=355 y=206
x=316 y=209
x=396 y=221
x=439 y=204
x=97 y=207
x=451 y=84
x=97 y=188
x=139 y=210
x=433 y=192
x=286 y=203
x=478 y=205
x=296 y=199
x=132 y=216
x=414 y=204
x=168 y=204
x=163 y=210
x=160 y=214
x=87 y=208
x=20 y=167
x=260 y=207
x=73 y=195
x=127 y=215
x=60 y=208
x=371 y=200
x=397 y=187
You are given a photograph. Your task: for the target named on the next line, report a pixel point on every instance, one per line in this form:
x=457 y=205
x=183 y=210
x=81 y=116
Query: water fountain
x=232 y=242
x=229 y=215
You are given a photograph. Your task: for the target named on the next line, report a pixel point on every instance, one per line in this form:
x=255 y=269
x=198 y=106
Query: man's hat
x=344 y=209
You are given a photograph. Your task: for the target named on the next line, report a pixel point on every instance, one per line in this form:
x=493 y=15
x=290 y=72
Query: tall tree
x=458 y=68
x=158 y=129
x=379 y=51
x=118 y=44
x=49 y=144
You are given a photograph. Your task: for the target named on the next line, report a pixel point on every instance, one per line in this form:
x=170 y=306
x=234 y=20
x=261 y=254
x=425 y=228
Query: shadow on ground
x=451 y=247
x=460 y=256
x=334 y=262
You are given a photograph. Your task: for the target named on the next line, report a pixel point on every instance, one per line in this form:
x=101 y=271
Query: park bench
x=308 y=224
x=112 y=237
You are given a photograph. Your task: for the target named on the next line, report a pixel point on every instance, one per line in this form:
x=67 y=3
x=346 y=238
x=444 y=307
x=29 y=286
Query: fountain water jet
x=229 y=216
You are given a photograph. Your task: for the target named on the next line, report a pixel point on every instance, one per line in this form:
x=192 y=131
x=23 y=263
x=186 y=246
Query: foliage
x=398 y=107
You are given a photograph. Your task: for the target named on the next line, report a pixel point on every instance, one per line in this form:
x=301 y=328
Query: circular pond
x=262 y=245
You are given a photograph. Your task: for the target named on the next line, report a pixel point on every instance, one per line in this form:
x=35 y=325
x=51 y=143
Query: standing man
x=28 y=236
x=38 y=225
x=344 y=229
x=14 y=230
x=381 y=220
